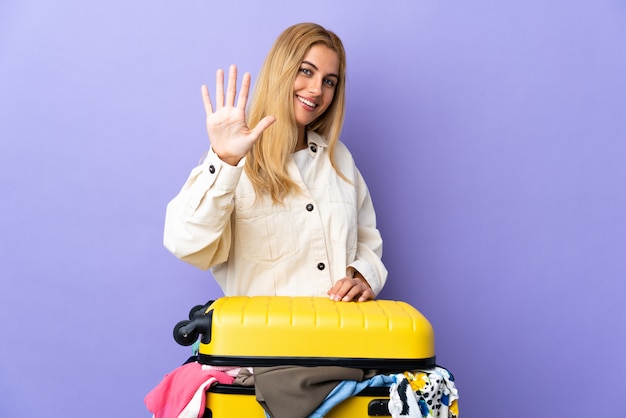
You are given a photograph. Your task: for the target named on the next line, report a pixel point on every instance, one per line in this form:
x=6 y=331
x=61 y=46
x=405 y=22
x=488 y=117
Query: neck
x=301 y=143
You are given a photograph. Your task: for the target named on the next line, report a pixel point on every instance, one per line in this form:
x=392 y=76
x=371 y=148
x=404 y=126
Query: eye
x=305 y=71
x=329 y=82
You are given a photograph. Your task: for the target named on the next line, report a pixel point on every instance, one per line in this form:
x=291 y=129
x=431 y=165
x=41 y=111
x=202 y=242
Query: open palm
x=230 y=136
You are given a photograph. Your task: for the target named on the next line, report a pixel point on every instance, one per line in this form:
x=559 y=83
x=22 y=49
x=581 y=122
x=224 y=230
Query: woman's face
x=315 y=84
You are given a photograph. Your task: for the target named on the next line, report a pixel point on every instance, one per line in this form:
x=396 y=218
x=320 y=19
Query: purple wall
x=493 y=138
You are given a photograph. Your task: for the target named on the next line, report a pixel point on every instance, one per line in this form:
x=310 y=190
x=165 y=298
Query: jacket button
x=313 y=147
x=321 y=266
x=309 y=207
x=212 y=169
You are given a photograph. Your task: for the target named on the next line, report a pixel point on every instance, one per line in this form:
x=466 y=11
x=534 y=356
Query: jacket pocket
x=264 y=233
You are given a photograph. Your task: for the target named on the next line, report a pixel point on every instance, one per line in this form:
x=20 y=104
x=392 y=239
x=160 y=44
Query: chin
x=304 y=122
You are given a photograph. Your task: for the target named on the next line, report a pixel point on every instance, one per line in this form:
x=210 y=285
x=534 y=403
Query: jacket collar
x=313 y=138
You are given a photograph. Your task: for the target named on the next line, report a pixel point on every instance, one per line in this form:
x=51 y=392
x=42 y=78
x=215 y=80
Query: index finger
x=339 y=289
x=243 y=93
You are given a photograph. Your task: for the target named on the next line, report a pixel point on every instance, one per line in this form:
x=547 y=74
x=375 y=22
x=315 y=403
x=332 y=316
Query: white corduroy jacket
x=257 y=248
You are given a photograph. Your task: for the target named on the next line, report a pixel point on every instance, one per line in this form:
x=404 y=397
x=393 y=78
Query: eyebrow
x=317 y=69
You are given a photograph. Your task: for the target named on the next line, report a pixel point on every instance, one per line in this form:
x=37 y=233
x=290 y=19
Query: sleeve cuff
x=368 y=273
x=226 y=175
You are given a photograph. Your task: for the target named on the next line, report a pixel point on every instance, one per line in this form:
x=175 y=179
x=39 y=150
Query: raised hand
x=230 y=136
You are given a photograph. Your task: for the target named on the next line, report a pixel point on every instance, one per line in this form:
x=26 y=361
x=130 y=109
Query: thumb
x=263 y=124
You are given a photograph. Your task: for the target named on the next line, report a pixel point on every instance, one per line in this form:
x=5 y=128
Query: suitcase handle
x=199 y=310
x=378 y=408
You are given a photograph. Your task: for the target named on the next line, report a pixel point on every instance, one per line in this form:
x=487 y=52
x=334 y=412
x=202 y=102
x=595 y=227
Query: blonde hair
x=266 y=162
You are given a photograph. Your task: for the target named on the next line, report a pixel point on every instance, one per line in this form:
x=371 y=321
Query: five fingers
x=222 y=101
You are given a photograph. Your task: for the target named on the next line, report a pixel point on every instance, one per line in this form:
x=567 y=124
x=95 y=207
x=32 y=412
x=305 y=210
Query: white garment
x=402 y=400
x=257 y=248
x=431 y=393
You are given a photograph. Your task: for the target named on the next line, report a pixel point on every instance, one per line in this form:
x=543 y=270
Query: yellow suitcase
x=309 y=331
x=390 y=336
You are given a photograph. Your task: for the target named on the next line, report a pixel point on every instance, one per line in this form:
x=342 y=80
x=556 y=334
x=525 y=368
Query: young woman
x=278 y=206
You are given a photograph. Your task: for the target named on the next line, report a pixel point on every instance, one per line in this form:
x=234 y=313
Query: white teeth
x=306 y=102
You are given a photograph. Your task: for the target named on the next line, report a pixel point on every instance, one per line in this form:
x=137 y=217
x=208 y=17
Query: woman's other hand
x=351 y=288
x=229 y=134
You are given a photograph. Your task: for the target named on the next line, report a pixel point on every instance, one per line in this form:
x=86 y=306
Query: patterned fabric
x=424 y=394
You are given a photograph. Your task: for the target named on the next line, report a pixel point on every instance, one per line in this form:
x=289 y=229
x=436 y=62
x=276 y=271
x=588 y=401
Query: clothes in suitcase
x=223 y=400
x=419 y=394
x=389 y=336
x=183 y=394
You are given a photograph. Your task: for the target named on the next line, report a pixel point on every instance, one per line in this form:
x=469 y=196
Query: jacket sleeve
x=368 y=260
x=198 y=220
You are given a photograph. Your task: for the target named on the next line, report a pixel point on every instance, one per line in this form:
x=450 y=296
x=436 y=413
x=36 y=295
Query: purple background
x=492 y=136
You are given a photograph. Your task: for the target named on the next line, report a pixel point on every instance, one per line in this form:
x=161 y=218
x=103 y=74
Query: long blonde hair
x=266 y=162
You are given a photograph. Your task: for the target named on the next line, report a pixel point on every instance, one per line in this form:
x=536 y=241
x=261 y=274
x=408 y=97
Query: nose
x=315 y=85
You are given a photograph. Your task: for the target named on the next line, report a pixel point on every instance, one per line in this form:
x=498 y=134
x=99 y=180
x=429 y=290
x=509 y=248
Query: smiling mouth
x=306 y=102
